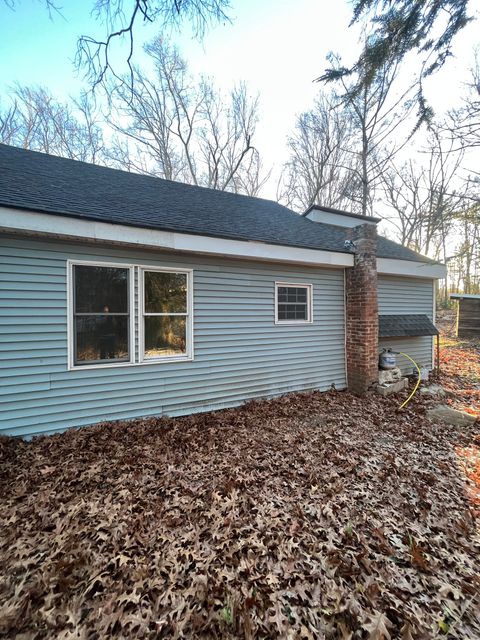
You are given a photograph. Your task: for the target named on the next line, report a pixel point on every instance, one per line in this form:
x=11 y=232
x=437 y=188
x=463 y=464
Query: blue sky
x=280 y=36
x=277 y=46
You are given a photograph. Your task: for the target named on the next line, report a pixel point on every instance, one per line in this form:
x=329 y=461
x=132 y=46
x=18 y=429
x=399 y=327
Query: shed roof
x=39 y=182
x=467 y=296
x=396 y=326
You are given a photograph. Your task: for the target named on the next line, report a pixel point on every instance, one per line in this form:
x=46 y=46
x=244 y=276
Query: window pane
x=301 y=312
x=292 y=294
x=300 y=295
x=165 y=336
x=292 y=312
x=100 y=289
x=165 y=292
x=101 y=339
x=292 y=303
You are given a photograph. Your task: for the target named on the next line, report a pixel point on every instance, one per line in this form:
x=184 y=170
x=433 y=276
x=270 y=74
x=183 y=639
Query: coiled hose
x=418 y=380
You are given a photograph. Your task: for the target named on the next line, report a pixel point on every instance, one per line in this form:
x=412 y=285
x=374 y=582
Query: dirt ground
x=314 y=515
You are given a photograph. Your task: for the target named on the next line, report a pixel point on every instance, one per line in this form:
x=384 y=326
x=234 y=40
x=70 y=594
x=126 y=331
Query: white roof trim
x=63 y=227
x=338 y=219
x=394 y=267
x=69 y=228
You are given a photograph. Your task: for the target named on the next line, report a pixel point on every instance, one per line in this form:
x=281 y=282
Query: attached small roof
x=468 y=296
x=396 y=326
x=36 y=181
x=340 y=212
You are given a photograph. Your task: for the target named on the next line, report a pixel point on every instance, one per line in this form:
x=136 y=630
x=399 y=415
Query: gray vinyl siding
x=239 y=352
x=402 y=295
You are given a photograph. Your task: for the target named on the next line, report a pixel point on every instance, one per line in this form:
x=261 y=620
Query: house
x=124 y=296
x=468 y=314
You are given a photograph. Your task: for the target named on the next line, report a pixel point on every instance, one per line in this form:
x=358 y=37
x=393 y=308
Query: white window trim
x=304 y=285
x=186 y=357
x=70 y=309
x=136 y=316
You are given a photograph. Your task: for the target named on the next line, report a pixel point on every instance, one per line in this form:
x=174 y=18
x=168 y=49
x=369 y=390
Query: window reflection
x=165 y=336
x=101 y=338
x=100 y=287
x=165 y=292
x=101 y=314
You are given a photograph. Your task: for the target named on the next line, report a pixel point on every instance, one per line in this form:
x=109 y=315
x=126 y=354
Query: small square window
x=293 y=303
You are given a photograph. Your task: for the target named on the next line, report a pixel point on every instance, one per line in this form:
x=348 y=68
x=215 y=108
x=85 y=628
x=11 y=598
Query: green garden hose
x=418 y=381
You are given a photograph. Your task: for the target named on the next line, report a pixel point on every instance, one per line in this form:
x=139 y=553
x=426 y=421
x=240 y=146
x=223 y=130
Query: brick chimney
x=362 y=311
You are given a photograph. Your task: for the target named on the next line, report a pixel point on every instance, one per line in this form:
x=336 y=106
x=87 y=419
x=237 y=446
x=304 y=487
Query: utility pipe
x=418 y=380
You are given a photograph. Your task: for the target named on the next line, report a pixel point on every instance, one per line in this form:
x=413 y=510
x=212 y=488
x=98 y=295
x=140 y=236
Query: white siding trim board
x=394 y=267
x=338 y=219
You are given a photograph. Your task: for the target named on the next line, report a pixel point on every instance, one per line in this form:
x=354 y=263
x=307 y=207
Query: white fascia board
x=394 y=267
x=63 y=227
x=337 y=219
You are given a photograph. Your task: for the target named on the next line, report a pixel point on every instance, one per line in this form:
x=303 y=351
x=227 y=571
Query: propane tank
x=387 y=360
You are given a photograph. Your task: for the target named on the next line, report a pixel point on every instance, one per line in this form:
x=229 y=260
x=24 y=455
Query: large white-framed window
x=100 y=314
x=293 y=303
x=165 y=314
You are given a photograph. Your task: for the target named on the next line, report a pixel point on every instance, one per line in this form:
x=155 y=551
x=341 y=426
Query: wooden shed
x=468 y=314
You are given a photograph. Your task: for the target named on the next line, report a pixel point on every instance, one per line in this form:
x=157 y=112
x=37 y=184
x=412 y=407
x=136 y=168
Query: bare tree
x=166 y=125
x=428 y=200
x=170 y=126
x=36 y=120
x=226 y=135
x=464 y=125
x=321 y=168
x=93 y=54
x=121 y=20
x=9 y=124
x=251 y=176
x=426 y=197
x=406 y=195
x=379 y=119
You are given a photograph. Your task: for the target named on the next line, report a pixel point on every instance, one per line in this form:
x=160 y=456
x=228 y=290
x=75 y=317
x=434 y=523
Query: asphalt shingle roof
x=396 y=326
x=41 y=182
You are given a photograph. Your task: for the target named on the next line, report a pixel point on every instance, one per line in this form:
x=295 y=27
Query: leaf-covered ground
x=309 y=516
x=460 y=376
x=460 y=373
